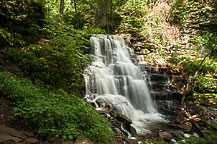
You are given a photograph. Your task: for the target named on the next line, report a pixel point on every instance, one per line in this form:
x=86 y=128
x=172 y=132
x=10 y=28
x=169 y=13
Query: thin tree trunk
x=190 y=78
x=111 y=13
x=61 y=9
x=107 y=15
x=76 y=14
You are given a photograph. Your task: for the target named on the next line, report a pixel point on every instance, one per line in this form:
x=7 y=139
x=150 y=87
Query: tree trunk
x=76 y=14
x=111 y=13
x=190 y=78
x=61 y=8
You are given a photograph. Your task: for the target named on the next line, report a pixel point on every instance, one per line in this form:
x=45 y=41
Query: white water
x=115 y=79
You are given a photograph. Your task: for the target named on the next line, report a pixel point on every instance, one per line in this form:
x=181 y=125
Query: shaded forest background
x=44 y=51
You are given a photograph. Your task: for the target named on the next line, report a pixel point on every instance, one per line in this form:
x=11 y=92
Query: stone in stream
x=165 y=136
x=81 y=140
x=100 y=103
x=172 y=141
x=186 y=127
x=178 y=135
x=133 y=131
x=123 y=119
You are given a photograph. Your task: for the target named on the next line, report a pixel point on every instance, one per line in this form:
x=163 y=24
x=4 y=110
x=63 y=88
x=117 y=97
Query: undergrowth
x=54 y=113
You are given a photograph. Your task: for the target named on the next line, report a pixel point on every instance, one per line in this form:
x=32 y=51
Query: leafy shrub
x=61 y=60
x=192 y=11
x=203 y=82
x=54 y=113
x=153 y=141
x=20 y=21
x=207 y=40
x=211 y=133
x=192 y=64
x=13 y=55
x=195 y=140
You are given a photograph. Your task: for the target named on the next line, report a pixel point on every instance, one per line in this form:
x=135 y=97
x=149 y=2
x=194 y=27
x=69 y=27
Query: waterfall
x=114 y=78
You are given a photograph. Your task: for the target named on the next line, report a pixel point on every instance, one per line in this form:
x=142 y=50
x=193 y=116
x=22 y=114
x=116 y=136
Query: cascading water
x=114 y=78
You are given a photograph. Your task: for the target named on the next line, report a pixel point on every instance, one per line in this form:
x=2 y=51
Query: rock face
x=11 y=132
x=160 y=81
x=10 y=135
x=7 y=138
x=123 y=119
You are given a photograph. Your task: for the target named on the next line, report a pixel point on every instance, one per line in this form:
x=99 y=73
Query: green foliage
x=192 y=11
x=13 y=55
x=205 y=83
x=132 y=14
x=207 y=41
x=209 y=131
x=153 y=141
x=205 y=97
x=59 y=61
x=19 y=21
x=54 y=113
x=195 y=140
x=146 y=22
x=9 y=38
x=191 y=64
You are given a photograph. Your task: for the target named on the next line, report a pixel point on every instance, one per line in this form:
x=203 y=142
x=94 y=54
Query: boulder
x=28 y=133
x=12 y=132
x=100 y=103
x=178 y=134
x=5 y=138
x=165 y=136
x=172 y=141
x=81 y=140
x=186 y=127
x=133 y=131
x=120 y=117
x=123 y=119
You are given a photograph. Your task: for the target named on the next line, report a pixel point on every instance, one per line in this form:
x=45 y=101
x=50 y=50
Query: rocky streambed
x=181 y=124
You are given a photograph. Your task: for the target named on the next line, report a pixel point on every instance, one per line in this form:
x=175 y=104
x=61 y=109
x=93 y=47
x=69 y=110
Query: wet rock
x=172 y=141
x=81 y=140
x=32 y=140
x=187 y=135
x=93 y=104
x=178 y=135
x=165 y=136
x=186 y=127
x=123 y=119
x=12 y=132
x=120 y=117
x=133 y=131
x=5 y=138
x=102 y=111
x=195 y=135
x=100 y=103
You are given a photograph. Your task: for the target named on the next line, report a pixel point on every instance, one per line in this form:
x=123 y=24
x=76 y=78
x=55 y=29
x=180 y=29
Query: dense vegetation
x=54 y=113
x=48 y=56
x=44 y=46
